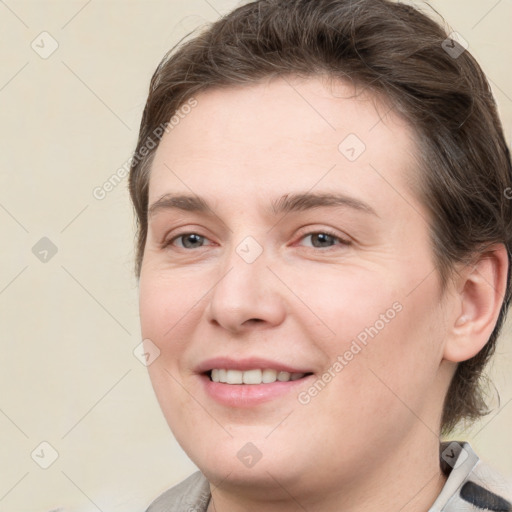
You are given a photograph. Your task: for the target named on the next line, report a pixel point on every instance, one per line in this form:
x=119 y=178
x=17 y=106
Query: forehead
x=286 y=134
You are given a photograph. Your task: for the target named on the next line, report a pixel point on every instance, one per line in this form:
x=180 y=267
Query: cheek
x=154 y=308
x=395 y=371
x=380 y=328
x=351 y=304
x=164 y=305
x=163 y=308
x=387 y=379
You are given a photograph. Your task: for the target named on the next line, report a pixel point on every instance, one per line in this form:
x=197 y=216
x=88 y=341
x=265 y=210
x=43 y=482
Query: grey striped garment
x=471 y=487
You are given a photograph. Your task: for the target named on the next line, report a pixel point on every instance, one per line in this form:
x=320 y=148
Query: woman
x=323 y=258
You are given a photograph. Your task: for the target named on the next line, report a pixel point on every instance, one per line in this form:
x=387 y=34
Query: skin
x=369 y=440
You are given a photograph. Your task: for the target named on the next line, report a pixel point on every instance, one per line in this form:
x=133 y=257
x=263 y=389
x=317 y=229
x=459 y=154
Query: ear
x=480 y=292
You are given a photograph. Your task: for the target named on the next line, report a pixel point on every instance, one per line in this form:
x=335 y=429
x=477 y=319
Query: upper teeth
x=252 y=376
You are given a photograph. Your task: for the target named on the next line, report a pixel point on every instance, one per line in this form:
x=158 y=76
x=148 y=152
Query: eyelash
x=331 y=234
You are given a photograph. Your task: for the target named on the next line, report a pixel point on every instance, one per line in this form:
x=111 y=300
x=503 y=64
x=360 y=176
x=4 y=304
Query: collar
x=471 y=486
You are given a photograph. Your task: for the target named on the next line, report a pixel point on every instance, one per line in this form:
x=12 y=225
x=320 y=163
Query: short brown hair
x=397 y=52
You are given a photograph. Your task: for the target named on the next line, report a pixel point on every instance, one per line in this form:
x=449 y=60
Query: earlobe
x=482 y=288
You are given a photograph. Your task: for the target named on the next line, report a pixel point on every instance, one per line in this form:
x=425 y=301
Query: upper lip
x=248 y=363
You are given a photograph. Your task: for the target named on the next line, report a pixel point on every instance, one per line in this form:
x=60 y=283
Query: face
x=307 y=256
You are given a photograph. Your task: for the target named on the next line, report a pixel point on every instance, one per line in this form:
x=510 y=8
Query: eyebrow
x=285 y=204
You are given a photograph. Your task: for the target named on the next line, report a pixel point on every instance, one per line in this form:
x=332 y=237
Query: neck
x=410 y=481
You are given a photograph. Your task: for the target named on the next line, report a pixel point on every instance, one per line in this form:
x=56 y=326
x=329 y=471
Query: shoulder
x=486 y=481
x=472 y=485
x=190 y=495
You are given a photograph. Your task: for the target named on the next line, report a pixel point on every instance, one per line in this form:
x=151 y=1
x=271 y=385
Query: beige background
x=69 y=325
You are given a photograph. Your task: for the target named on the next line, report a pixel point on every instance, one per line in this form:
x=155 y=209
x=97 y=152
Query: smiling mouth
x=252 y=377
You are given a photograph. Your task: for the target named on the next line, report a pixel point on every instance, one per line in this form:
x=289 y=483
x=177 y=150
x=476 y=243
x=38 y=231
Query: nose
x=247 y=294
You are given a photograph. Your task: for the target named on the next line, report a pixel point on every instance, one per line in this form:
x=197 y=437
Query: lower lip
x=249 y=395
